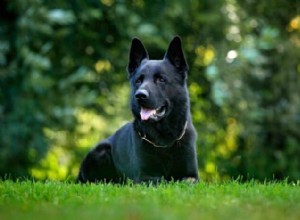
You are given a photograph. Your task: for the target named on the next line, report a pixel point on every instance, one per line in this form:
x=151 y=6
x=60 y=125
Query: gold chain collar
x=155 y=145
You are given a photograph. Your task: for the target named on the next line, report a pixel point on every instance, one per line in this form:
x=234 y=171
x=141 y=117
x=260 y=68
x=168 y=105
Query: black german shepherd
x=160 y=143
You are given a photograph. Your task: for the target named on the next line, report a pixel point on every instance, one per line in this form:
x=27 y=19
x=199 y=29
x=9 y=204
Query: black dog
x=160 y=143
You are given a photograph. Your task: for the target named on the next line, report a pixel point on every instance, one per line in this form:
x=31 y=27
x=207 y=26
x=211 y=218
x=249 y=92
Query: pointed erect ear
x=175 y=55
x=137 y=54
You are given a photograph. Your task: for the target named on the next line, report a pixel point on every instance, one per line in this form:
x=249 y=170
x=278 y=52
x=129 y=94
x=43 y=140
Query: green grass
x=232 y=200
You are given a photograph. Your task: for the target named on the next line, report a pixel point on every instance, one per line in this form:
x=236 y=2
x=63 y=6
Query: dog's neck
x=144 y=137
x=162 y=133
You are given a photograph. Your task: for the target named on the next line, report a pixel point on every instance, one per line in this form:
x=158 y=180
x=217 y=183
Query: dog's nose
x=142 y=94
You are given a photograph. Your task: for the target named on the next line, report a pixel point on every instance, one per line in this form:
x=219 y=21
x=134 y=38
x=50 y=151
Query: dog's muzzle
x=142 y=94
x=154 y=113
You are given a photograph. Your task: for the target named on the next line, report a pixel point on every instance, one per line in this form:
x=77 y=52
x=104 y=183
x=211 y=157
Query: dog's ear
x=175 y=55
x=137 y=54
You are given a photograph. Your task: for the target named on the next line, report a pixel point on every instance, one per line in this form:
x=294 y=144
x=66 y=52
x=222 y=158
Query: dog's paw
x=190 y=180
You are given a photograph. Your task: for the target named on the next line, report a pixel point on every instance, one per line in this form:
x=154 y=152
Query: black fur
x=168 y=150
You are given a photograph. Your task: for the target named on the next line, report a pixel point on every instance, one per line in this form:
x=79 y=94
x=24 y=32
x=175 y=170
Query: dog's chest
x=158 y=161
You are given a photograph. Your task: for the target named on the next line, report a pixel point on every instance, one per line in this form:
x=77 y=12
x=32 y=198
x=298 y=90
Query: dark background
x=63 y=81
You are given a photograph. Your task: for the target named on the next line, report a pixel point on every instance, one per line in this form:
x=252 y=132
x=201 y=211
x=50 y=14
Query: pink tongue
x=146 y=113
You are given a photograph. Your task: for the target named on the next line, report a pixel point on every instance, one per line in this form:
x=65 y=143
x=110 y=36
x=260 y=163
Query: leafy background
x=63 y=81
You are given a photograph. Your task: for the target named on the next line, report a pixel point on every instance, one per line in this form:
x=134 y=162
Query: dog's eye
x=160 y=79
x=138 y=81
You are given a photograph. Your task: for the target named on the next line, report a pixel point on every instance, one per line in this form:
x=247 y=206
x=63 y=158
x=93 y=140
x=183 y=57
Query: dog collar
x=155 y=145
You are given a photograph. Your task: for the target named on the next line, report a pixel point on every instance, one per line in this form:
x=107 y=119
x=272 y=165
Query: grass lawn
x=232 y=200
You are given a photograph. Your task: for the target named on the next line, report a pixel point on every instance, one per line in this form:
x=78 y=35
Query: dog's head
x=157 y=86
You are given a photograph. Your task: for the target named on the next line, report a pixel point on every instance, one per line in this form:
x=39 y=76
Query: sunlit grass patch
x=232 y=200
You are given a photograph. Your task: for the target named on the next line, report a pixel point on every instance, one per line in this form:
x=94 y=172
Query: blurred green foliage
x=63 y=84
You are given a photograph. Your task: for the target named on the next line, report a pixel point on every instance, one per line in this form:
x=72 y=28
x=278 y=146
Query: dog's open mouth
x=154 y=114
